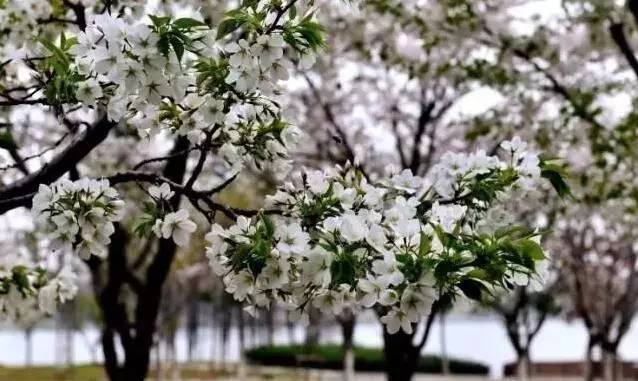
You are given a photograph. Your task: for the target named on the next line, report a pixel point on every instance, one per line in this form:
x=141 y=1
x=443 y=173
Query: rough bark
x=136 y=334
x=22 y=191
x=401 y=354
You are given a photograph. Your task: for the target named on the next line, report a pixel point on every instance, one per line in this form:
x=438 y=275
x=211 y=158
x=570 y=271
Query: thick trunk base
x=401 y=357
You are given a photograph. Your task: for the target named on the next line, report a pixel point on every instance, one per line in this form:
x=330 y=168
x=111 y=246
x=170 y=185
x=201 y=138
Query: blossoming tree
x=392 y=93
x=563 y=76
x=194 y=100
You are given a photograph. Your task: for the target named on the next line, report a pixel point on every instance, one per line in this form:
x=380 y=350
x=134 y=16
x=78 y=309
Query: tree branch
x=79 y=11
x=422 y=123
x=436 y=306
x=332 y=120
x=617 y=31
x=16 y=194
x=633 y=8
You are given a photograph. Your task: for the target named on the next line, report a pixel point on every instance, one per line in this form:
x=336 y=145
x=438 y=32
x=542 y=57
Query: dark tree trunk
x=401 y=356
x=193 y=327
x=135 y=334
x=401 y=353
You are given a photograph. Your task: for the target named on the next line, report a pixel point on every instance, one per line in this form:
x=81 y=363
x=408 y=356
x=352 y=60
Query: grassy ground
x=48 y=373
x=194 y=373
x=92 y=373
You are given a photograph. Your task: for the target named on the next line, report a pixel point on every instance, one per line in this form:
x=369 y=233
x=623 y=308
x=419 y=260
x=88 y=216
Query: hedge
x=366 y=359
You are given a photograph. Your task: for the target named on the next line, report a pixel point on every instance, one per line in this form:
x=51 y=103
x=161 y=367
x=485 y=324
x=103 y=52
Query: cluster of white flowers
x=20 y=17
x=27 y=294
x=112 y=51
x=154 y=74
x=78 y=215
x=340 y=242
x=163 y=222
x=57 y=290
x=200 y=88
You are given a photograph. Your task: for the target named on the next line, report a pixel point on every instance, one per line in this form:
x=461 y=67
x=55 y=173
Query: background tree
x=524 y=312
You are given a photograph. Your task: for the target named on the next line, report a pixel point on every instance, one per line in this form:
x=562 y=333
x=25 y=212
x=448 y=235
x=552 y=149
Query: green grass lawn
x=86 y=373
x=51 y=373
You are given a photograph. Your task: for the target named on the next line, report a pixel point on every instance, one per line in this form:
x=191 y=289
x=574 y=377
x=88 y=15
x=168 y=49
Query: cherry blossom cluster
x=20 y=17
x=337 y=241
x=78 y=215
x=26 y=293
x=157 y=75
x=162 y=221
x=181 y=76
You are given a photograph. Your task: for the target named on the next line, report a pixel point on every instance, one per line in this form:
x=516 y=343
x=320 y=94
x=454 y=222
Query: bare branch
x=617 y=31
x=57 y=167
x=332 y=120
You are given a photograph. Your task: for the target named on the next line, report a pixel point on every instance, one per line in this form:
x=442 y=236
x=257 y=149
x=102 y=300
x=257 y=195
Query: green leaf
x=228 y=26
x=249 y=3
x=163 y=45
x=473 y=289
x=21 y=279
x=531 y=249
x=509 y=231
x=555 y=173
x=187 y=23
x=57 y=52
x=70 y=42
x=477 y=274
x=425 y=244
x=159 y=21
x=269 y=225
x=6 y=141
x=178 y=47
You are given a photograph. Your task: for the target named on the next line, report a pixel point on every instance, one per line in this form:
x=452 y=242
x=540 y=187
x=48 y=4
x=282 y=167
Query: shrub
x=366 y=359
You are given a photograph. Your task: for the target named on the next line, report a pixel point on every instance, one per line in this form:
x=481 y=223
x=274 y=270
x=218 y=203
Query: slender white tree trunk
x=28 y=347
x=348 y=365
x=523 y=368
x=159 y=369
x=241 y=370
x=445 y=362
x=610 y=366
